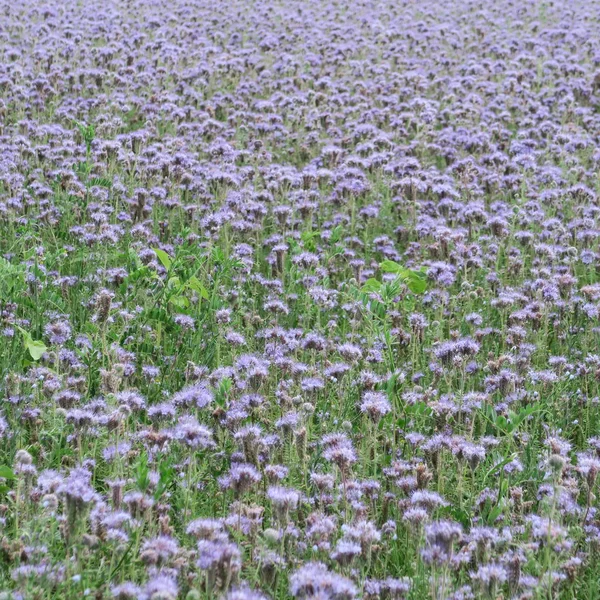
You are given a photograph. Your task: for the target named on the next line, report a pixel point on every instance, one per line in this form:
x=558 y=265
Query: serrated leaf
x=164 y=258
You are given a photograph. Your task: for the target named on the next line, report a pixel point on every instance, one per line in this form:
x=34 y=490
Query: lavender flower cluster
x=299 y=299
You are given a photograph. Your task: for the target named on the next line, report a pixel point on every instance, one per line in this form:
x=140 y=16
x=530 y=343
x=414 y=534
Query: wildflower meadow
x=299 y=299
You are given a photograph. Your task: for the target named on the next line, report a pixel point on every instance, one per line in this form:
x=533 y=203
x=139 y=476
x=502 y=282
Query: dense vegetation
x=299 y=299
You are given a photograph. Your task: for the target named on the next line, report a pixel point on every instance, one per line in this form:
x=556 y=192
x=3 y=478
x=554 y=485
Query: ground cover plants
x=299 y=299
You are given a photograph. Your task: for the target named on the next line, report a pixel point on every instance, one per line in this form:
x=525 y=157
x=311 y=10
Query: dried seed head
x=23 y=458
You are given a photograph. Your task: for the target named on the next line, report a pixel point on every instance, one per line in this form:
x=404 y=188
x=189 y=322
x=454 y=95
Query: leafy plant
x=36 y=348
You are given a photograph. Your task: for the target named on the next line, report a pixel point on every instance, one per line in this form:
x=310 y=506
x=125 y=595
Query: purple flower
x=241 y=477
x=244 y=593
x=161 y=587
x=58 y=332
x=314 y=580
x=197 y=396
x=375 y=405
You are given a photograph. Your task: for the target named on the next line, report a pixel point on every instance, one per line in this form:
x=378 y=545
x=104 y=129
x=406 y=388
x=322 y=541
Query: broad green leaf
x=418 y=275
x=371 y=285
x=416 y=285
x=6 y=472
x=164 y=258
x=459 y=514
x=35 y=347
x=389 y=266
x=139 y=274
x=501 y=422
x=180 y=301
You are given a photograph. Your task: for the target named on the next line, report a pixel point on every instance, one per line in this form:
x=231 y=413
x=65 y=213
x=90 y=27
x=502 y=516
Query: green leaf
x=36 y=348
x=524 y=413
x=134 y=258
x=6 y=472
x=6 y=267
x=179 y=301
x=157 y=314
x=195 y=284
x=370 y=286
x=416 y=275
x=494 y=514
x=163 y=257
x=173 y=282
x=306 y=236
x=221 y=393
x=415 y=280
x=498 y=466
x=501 y=422
x=336 y=234
x=416 y=285
x=166 y=479
x=389 y=266
x=139 y=274
x=142 y=472
x=460 y=515
x=100 y=182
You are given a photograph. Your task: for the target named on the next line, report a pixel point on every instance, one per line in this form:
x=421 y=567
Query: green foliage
x=416 y=281
x=88 y=133
x=36 y=348
x=164 y=258
x=142 y=472
x=6 y=472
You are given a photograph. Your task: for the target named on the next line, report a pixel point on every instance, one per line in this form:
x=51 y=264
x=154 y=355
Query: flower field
x=299 y=300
